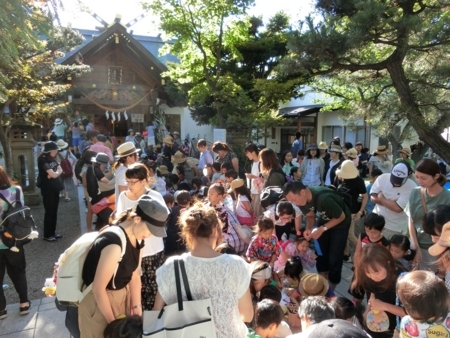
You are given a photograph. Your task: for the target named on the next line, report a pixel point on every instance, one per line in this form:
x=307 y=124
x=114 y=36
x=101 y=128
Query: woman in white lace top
x=223 y=278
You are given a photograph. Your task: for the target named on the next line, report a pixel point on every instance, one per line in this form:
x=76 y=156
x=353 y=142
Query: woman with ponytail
x=223 y=278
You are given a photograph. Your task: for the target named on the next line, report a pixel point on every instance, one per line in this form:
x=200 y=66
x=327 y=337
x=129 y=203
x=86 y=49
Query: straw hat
x=443 y=242
x=381 y=150
x=168 y=140
x=163 y=170
x=237 y=183
x=179 y=157
x=352 y=153
x=58 y=121
x=323 y=145
x=126 y=149
x=347 y=170
x=313 y=284
x=405 y=151
x=61 y=144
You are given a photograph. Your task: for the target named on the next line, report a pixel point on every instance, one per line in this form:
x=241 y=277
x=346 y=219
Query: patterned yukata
x=261 y=249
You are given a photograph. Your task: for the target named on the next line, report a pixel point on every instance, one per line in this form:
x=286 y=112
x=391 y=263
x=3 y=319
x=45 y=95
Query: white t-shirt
x=153 y=244
x=271 y=212
x=224 y=279
x=283 y=330
x=254 y=171
x=240 y=211
x=119 y=174
x=394 y=221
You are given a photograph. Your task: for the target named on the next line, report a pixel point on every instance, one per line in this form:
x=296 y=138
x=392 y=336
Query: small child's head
x=201 y=145
x=302 y=244
x=376 y=264
x=180 y=169
x=295 y=173
x=174 y=179
x=424 y=296
x=400 y=247
x=168 y=198
x=217 y=167
x=124 y=327
x=264 y=228
x=374 y=225
x=183 y=198
x=270 y=292
x=224 y=167
x=285 y=211
x=286 y=157
x=225 y=248
x=261 y=276
x=293 y=268
x=374 y=174
x=231 y=175
x=268 y=316
x=196 y=183
x=345 y=309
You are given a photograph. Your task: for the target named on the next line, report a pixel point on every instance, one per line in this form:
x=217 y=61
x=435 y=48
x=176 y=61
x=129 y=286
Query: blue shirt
x=205 y=158
x=296 y=146
x=370 y=205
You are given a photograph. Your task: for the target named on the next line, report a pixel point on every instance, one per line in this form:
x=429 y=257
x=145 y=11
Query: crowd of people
x=269 y=271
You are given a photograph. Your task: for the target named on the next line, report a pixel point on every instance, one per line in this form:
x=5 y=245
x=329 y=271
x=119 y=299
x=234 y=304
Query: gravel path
x=42 y=255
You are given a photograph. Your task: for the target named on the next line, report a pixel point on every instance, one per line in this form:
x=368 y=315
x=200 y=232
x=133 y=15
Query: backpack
x=270 y=196
x=69 y=268
x=346 y=197
x=66 y=166
x=17 y=227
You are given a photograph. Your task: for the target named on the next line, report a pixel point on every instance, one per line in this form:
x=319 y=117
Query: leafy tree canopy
x=387 y=61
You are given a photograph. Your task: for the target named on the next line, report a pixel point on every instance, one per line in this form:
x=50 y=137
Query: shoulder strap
x=178 y=285
x=17 y=195
x=422 y=196
x=3 y=198
x=185 y=280
x=67 y=153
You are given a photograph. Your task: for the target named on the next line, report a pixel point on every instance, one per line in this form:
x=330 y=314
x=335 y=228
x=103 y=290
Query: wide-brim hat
x=352 y=153
x=168 y=140
x=61 y=144
x=58 y=121
x=126 y=149
x=443 y=243
x=237 y=183
x=101 y=158
x=263 y=273
x=381 y=150
x=313 y=146
x=405 y=151
x=336 y=149
x=176 y=133
x=50 y=146
x=359 y=144
x=347 y=170
x=179 y=157
x=163 y=170
x=154 y=214
x=313 y=284
x=323 y=145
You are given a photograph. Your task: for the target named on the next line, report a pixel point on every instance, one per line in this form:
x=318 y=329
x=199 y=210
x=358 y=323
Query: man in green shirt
x=334 y=218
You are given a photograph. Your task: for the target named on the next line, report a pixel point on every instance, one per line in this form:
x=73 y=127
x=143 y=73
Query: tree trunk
x=426 y=134
x=7 y=154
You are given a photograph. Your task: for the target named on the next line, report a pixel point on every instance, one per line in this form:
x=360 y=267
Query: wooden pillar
x=316 y=125
x=299 y=124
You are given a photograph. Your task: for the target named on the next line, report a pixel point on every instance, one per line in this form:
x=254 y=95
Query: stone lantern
x=23 y=158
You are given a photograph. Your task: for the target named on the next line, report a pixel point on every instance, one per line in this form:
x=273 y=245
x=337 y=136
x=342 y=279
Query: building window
x=330 y=132
x=346 y=134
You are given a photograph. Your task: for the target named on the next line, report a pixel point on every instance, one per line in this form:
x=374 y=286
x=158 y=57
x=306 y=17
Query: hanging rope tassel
x=118 y=117
x=107 y=115
x=125 y=114
x=113 y=117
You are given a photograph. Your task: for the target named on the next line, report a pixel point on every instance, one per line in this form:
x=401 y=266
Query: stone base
x=32 y=198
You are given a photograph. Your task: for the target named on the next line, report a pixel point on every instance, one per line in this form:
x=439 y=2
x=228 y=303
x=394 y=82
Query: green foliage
x=386 y=61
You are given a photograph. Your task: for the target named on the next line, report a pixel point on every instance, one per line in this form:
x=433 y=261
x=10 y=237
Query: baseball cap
x=400 y=173
x=336 y=328
x=154 y=213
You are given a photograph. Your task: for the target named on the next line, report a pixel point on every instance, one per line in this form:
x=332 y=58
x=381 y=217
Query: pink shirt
x=99 y=147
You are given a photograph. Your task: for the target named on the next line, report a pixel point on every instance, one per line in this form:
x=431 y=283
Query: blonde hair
x=199 y=221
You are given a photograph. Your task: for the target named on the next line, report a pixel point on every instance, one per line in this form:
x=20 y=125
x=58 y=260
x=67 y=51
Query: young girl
x=426 y=302
x=180 y=172
x=400 y=249
x=313 y=167
x=300 y=248
x=264 y=246
x=286 y=162
x=244 y=211
x=347 y=310
x=376 y=273
x=296 y=174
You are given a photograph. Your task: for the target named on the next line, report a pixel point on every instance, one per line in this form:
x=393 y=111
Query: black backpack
x=17 y=224
x=345 y=196
x=270 y=196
